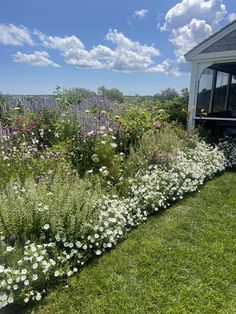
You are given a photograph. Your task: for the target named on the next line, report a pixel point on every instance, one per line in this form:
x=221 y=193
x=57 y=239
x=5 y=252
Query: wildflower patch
x=150 y=190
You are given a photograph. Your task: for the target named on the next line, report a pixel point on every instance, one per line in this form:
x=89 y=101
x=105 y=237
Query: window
x=220 y=91
x=232 y=95
x=204 y=91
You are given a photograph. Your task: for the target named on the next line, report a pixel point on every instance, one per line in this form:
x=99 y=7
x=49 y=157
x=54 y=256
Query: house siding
x=224 y=44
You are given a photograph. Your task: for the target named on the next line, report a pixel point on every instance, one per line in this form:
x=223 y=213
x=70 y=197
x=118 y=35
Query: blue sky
x=136 y=46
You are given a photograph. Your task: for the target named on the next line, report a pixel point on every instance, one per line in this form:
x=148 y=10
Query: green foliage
x=32 y=146
x=107 y=161
x=40 y=126
x=177 y=110
x=64 y=202
x=133 y=123
x=185 y=94
x=23 y=164
x=111 y=94
x=159 y=147
x=66 y=127
x=166 y=94
x=4 y=108
x=229 y=149
x=80 y=151
x=72 y=96
x=96 y=154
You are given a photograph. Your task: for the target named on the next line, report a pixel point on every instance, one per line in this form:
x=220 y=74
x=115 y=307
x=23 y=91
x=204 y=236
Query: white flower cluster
x=22 y=280
x=16 y=147
x=149 y=191
x=229 y=149
x=158 y=187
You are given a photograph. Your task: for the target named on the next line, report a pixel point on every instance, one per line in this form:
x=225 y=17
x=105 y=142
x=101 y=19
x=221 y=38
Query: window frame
x=213 y=90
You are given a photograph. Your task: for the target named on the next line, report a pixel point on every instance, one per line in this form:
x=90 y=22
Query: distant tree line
x=171 y=93
x=78 y=94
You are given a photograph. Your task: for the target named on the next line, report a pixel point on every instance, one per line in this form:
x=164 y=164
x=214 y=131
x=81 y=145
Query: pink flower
x=157 y=125
x=18 y=121
x=113 y=145
x=88 y=134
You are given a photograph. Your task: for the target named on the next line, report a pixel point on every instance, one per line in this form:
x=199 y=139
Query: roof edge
x=210 y=40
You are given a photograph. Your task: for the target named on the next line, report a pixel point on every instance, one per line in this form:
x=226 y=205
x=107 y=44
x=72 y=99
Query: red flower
x=32 y=123
x=27 y=131
x=18 y=121
x=157 y=125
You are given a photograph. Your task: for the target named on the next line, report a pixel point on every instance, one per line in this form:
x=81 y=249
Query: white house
x=212 y=96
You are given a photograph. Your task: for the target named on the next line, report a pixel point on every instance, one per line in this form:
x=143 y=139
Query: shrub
x=4 y=109
x=72 y=96
x=166 y=94
x=134 y=122
x=65 y=203
x=177 y=110
x=112 y=93
x=228 y=147
x=96 y=153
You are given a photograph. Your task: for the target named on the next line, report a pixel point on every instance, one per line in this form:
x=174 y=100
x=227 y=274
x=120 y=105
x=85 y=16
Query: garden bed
x=179 y=261
x=69 y=194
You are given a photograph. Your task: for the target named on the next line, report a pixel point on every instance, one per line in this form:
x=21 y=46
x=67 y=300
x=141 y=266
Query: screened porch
x=217 y=92
x=216 y=99
x=212 y=97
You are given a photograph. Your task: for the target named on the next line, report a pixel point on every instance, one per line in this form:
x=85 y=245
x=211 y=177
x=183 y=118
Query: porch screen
x=220 y=91
x=204 y=91
x=232 y=95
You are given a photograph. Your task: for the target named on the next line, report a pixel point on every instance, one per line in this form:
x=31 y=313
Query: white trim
x=207 y=43
x=192 y=95
x=215 y=118
x=201 y=67
x=197 y=69
x=217 y=57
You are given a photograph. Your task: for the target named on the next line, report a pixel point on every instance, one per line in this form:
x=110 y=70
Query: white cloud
x=212 y=11
x=88 y=63
x=124 y=43
x=129 y=55
x=231 y=17
x=71 y=48
x=102 y=52
x=167 y=67
x=188 y=36
x=189 y=23
x=14 y=35
x=129 y=61
x=122 y=53
x=38 y=58
x=140 y=13
x=126 y=55
x=60 y=43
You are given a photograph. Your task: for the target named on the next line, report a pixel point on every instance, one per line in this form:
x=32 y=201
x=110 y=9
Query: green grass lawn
x=180 y=261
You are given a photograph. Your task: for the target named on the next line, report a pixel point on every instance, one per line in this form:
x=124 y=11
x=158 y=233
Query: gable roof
x=211 y=40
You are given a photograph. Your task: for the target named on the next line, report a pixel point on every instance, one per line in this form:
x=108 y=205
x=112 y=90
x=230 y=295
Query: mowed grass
x=180 y=261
